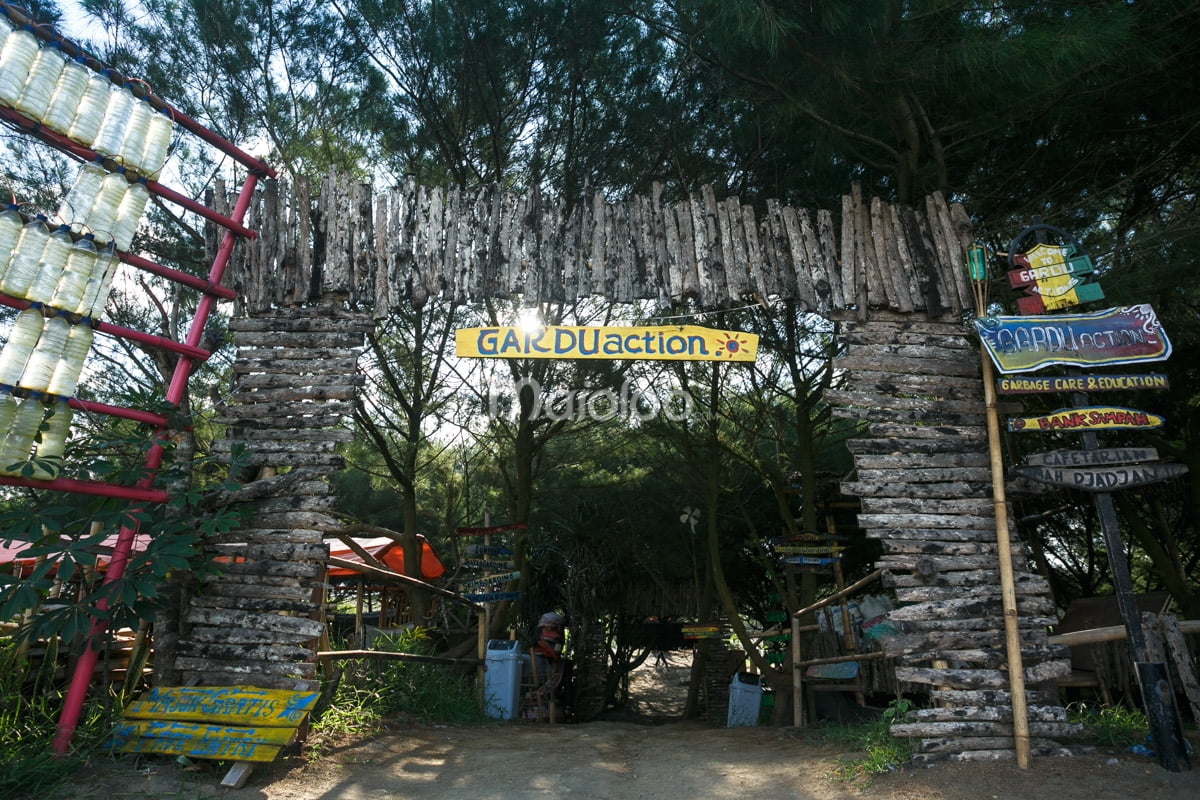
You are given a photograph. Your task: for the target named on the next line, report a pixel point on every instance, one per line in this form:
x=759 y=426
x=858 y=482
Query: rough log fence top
x=410 y=243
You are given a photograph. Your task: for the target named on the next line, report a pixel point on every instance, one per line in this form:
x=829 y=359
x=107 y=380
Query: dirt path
x=624 y=759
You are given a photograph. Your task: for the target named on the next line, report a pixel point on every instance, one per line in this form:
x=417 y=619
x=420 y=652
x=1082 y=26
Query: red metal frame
x=189 y=350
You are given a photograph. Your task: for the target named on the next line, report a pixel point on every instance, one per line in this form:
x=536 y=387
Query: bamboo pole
x=1110 y=633
x=1008 y=591
x=797 y=676
x=833 y=598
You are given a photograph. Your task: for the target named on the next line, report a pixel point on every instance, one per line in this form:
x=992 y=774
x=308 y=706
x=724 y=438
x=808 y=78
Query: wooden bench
x=244 y=724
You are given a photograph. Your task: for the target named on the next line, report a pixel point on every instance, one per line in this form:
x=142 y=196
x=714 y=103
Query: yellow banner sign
x=667 y=343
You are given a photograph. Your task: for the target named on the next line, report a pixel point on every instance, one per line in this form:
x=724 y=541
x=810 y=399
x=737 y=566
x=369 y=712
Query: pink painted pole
x=94 y=488
x=191 y=281
x=81 y=679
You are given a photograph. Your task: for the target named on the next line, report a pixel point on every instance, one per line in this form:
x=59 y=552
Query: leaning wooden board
x=237 y=723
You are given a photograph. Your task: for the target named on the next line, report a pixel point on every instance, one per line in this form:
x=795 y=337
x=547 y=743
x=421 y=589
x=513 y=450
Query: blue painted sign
x=492 y=597
x=1127 y=335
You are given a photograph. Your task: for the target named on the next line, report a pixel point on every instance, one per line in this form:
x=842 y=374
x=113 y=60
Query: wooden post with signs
x=1059 y=277
x=1008 y=591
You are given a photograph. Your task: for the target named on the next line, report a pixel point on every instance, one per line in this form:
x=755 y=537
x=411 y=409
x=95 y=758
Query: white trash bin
x=745 y=699
x=502 y=679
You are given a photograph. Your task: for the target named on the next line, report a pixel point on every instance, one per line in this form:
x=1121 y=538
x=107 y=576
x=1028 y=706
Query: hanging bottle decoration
x=48 y=453
x=44 y=72
x=18 y=440
x=20 y=48
x=50 y=265
x=103 y=214
x=86 y=122
x=24 y=264
x=23 y=337
x=78 y=203
x=134 y=141
x=70 y=364
x=95 y=297
x=116 y=118
x=129 y=214
x=81 y=261
x=64 y=101
x=46 y=354
x=11 y=223
x=158 y=143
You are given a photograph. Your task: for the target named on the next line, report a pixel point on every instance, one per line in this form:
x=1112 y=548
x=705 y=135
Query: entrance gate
x=890 y=277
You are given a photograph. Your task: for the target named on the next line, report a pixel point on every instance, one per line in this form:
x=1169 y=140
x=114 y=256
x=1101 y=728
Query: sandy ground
x=644 y=755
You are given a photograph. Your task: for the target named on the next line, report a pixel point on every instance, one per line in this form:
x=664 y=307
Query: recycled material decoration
x=110 y=128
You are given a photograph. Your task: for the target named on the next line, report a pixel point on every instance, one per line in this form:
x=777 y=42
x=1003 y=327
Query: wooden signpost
x=1089 y=418
x=1101 y=457
x=243 y=724
x=1055 y=278
x=1102 y=479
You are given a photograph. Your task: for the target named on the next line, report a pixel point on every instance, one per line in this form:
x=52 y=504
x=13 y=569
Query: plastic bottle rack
x=89 y=108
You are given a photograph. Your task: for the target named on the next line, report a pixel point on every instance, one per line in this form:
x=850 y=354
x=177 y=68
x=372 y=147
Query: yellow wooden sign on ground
x=236 y=723
x=661 y=343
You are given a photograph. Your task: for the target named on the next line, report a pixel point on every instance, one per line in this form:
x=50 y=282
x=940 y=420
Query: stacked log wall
x=256 y=620
x=922 y=473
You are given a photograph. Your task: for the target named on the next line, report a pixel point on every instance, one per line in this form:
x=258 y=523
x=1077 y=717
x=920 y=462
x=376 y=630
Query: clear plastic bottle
x=8 y=410
x=23 y=337
x=20 y=48
x=11 y=223
x=103 y=213
x=44 y=72
x=6 y=29
x=95 y=297
x=158 y=143
x=78 y=203
x=24 y=265
x=86 y=122
x=18 y=441
x=116 y=119
x=48 y=453
x=134 y=141
x=51 y=265
x=46 y=354
x=81 y=261
x=64 y=101
x=70 y=364
x=129 y=214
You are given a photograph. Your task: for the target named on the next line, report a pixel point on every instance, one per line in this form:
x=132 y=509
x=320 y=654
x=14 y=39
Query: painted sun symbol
x=732 y=344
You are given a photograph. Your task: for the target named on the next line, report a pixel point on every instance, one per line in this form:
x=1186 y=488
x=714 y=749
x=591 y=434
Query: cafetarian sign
x=664 y=343
x=1127 y=335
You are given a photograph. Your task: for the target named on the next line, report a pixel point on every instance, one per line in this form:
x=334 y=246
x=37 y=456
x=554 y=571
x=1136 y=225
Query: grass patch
x=30 y=705
x=882 y=752
x=1115 y=726
x=372 y=690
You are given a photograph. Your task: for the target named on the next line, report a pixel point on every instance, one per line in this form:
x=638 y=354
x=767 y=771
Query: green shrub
x=882 y=752
x=374 y=688
x=1116 y=726
x=29 y=711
